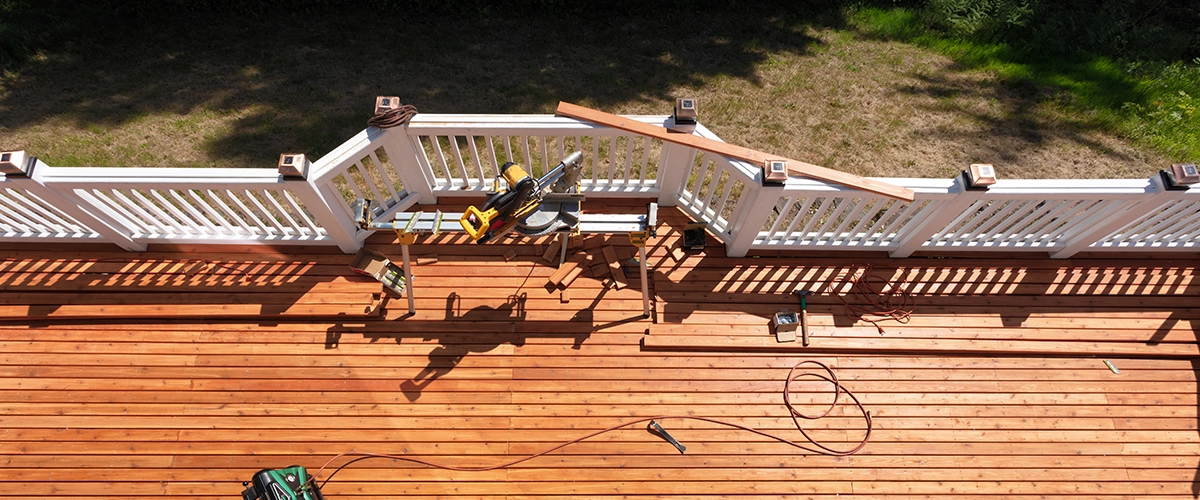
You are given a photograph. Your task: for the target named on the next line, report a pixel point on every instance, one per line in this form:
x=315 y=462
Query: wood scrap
x=614 y=268
x=551 y=253
x=510 y=255
x=563 y=296
x=599 y=270
x=557 y=277
x=570 y=278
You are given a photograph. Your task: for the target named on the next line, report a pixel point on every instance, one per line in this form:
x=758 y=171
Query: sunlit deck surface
x=181 y=371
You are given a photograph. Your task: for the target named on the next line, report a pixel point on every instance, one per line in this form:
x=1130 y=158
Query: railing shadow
x=65 y=283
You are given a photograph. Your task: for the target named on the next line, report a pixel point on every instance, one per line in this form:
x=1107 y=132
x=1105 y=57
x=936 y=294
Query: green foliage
x=981 y=19
x=1170 y=117
x=1127 y=29
x=1150 y=101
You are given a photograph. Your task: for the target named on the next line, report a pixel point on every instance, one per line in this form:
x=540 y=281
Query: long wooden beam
x=756 y=157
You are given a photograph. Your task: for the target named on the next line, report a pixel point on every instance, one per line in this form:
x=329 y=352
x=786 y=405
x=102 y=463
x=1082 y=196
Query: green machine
x=292 y=483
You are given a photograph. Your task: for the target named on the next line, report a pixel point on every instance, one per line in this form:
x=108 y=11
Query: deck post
x=749 y=221
x=672 y=171
x=1102 y=224
x=336 y=223
x=68 y=203
x=935 y=219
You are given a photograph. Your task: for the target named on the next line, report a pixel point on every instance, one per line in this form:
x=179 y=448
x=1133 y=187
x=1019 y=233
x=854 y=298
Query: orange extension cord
x=828 y=376
x=890 y=301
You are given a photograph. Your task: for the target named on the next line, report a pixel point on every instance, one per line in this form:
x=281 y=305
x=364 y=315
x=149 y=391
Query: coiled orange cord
x=890 y=301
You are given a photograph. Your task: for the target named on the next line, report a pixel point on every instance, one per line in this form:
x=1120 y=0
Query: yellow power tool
x=506 y=209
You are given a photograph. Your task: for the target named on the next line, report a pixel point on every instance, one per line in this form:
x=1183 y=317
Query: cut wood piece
x=570 y=278
x=564 y=296
x=510 y=255
x=610 y=254
x=614 y=268
x=756 y=157
x=551 y=253
x=426 y=260
x=599 y=270
x=618 y=274
x=566 y=269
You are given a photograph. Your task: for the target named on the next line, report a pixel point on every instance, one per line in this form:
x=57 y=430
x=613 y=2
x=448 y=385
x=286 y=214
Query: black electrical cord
x=820 y=449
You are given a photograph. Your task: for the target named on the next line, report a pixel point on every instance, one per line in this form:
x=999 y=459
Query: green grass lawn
x=865 y=91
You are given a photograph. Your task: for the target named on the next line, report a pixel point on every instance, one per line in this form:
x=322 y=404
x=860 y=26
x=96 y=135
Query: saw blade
x=544 y=220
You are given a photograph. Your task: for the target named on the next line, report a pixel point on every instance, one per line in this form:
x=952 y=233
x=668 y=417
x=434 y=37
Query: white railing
x=452 y=156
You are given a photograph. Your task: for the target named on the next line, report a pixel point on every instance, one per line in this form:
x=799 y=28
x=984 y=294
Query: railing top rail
x=346 y=152
x=432 y=121
x=927 y=187
x=151 y=177
x=1069 y=187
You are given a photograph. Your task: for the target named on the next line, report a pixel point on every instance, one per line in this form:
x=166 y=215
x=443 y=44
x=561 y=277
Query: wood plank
x=725 y=149
x=956 y=347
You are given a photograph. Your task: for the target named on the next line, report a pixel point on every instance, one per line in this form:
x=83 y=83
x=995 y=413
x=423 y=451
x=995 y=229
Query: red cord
x=821 y=449
x=889 y=302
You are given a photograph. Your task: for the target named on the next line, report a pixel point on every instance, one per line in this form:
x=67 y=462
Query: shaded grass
x=863 y=96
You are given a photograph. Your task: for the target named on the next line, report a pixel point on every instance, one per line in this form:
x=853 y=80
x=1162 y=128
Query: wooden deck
x=181 y=371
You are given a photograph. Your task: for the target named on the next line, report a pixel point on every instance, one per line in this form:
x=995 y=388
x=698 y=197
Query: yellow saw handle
x=477 y=223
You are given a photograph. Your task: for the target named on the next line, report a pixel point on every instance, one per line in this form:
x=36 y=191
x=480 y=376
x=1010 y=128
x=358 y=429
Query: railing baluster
x=249 y=213
x=644 y=166
x=270 y=196
x=595 y=158
x=143 y=215
x=178 y=216
x=223 y=225
x=221 y=203
x=877 y=226
x=628 y=172
x=462 y=167
x=266 y=214
x=17 y=216
x=801 y=213
x=195 y=214
x=478 y=163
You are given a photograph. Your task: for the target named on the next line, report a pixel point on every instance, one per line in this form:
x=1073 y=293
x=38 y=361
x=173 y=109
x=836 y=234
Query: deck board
x=994 y=389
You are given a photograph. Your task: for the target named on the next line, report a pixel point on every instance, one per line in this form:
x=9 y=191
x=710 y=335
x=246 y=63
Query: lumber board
x=956 y=347
x=179 y=406
x=725 y=149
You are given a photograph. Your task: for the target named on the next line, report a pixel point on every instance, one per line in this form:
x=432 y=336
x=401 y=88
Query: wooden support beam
x=756 y=157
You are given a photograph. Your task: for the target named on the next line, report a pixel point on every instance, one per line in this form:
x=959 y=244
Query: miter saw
x=529 y=206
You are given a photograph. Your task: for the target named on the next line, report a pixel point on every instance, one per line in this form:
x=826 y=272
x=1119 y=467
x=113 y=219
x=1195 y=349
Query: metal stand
x=408 y=224
x=406 y=239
